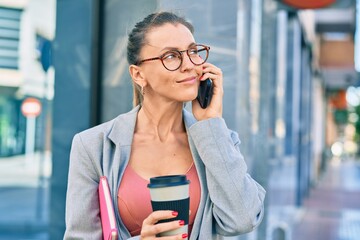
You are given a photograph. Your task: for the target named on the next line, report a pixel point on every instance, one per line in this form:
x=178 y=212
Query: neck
x=160 y=121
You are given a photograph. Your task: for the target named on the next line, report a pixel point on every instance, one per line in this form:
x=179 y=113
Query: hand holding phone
x=205 y=92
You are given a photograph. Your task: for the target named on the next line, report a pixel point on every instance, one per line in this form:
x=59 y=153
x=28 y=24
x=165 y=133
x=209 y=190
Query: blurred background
x=291 y=79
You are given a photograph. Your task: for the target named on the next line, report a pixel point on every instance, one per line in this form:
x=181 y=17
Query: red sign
x=308 y=3
x=338 y=100
x=31 y=107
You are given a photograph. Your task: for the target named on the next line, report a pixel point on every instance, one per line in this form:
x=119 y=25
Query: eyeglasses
x=173 y=59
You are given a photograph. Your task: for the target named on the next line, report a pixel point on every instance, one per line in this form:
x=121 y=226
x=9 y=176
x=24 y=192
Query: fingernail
x=174 y=213
x=181 y=222
x=184 y=235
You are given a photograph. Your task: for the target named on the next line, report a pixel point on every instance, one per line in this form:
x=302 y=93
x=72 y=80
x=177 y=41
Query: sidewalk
x=24 y=197
x=332 y=210
x=22 y=171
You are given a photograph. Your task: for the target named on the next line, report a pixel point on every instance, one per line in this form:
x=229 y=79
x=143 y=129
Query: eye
x=193 y=51
x=172 y=55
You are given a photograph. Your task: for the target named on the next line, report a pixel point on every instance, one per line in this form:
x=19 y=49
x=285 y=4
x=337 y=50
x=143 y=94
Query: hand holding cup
x=170 y=195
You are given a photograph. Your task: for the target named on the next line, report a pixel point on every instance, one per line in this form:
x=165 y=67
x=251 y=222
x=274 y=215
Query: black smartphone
x=205 y=92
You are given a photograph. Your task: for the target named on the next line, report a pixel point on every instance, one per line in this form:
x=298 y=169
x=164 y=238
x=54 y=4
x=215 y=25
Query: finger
x=156 y=216
x=209 y=68
x=175 y=237
x=163 y=227
x=214 y=74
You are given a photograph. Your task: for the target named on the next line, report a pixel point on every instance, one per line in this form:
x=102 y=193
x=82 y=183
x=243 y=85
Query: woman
x=159 y=137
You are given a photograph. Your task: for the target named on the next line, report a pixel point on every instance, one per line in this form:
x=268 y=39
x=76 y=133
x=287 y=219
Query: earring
x=142 y=90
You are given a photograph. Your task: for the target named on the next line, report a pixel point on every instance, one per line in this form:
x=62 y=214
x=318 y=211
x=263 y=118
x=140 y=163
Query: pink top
x=135 y=205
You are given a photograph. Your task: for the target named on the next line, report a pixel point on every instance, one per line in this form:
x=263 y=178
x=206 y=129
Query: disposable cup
x=171 y=192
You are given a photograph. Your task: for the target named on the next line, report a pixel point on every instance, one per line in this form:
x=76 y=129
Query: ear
x=137 y=75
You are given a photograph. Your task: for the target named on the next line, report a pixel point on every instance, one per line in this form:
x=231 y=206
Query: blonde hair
x=137 y=95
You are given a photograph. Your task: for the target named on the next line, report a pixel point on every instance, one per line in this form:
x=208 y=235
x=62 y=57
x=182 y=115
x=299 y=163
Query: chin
x=188 y=96
x=193 y=97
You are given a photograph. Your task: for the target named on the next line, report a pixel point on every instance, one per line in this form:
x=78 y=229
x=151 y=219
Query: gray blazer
x=231 y=201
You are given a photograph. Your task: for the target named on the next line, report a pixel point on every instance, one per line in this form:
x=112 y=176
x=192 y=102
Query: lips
x=187 y=80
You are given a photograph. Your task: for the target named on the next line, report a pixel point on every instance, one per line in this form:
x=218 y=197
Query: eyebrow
x=175 y=48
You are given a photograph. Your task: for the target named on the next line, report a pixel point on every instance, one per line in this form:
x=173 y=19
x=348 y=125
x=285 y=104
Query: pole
x=30 y=139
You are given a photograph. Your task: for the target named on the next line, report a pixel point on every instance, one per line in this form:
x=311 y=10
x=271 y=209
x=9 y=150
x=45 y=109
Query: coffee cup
x=171 y=192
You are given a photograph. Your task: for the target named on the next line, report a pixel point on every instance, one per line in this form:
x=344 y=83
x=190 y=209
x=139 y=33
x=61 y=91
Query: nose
x=186 y=62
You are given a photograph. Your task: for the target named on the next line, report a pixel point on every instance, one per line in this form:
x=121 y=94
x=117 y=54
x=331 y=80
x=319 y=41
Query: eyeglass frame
x=206 y=48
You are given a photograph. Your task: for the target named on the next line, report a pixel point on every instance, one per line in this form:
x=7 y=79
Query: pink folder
x=108 y=221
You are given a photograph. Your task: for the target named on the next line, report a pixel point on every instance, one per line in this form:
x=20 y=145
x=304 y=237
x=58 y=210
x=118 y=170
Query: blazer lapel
x=189 y=120
x=122 y=131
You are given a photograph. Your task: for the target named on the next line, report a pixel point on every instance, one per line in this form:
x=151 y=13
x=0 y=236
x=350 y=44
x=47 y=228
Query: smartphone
x=205 y=92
